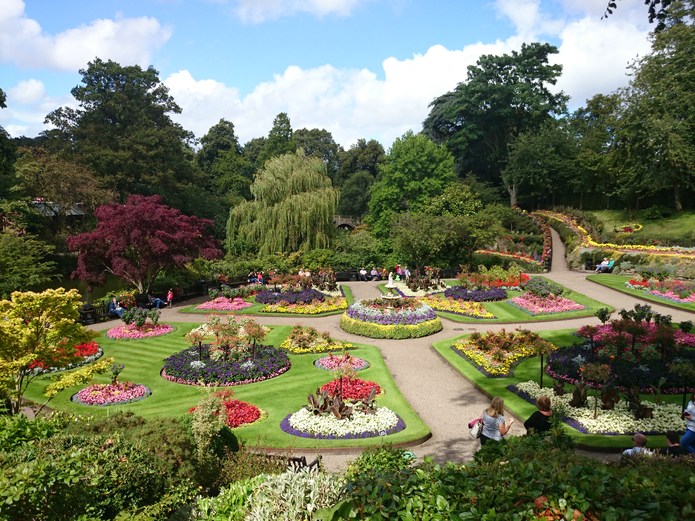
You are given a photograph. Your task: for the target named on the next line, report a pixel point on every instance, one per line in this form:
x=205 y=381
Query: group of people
x=256 y=277
x=400 y=273
x=604 y=266
x=495 y=427
x=117 y=309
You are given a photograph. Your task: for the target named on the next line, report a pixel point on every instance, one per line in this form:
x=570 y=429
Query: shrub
x=542 y=287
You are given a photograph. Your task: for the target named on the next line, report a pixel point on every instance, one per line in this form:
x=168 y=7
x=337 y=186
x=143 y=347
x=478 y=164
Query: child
x=170 y=297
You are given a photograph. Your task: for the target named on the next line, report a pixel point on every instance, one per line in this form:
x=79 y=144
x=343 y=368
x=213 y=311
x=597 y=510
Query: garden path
x=445 y=400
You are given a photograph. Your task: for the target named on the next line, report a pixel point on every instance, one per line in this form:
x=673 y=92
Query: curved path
x=444 y=399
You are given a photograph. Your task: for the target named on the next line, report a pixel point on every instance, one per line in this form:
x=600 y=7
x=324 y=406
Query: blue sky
x=358 y=68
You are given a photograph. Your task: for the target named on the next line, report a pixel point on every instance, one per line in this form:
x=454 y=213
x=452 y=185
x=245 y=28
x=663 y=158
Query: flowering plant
x=116 y=393
x=341 y=362
x=308 y=340
x=402 y=311
x=306 y=296
x=305 y=424
x=225 y=304
x=537 y=305
x=459 y=307
x=495 y=277
x=315 y=307
x=354 y=389
x=236 y=413
x=131 y=331
x=66 y=358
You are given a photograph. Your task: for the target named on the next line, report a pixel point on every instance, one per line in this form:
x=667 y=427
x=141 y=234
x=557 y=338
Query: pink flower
x=111 y=394
x=225 y=304
x=131 y=331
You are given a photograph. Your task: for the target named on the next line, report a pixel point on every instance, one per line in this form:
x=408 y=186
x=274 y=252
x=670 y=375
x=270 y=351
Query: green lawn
x=278 y=397
x=529 y=369
x=617 y=282
x=668 y=229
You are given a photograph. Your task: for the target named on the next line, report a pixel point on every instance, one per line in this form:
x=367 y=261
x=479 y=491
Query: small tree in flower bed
x=495 y=277
x=291 y=297
x=236 y=413
x=475 y=295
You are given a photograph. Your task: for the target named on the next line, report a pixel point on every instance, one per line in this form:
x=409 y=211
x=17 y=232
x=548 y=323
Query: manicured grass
x=278 y=396
x=617 y=282
x=529 y=369
x=667 y=228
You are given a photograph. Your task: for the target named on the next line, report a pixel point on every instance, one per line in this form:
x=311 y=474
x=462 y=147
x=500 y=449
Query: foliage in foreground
x=522 y=478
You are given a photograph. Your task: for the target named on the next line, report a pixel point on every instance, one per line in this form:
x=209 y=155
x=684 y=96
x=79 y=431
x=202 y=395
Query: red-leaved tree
x=136 y=240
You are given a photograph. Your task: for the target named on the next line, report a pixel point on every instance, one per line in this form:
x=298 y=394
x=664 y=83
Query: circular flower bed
x=225 y=304
x=193 y=368
x=131 y=331
x=398 y=319
x=476 y=295
x=341 y=362
x=307 y=425
x=111 y=394
x=354 y=389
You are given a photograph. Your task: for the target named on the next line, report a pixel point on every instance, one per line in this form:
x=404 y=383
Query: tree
x=279 y=141
x=659 y=15
x=137 y=240
x=363 y=156
x=122 y=129
x=502 y=97
x=415 y=170
x=354 y=196
x=457 y=199
x=37 y=328
x=292 y=209
x=7 y=155
x=23 y=263
x=319 y=143
x=657 y=126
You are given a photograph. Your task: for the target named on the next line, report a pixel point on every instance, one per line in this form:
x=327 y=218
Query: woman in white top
x=688 y=439
x=494 y=425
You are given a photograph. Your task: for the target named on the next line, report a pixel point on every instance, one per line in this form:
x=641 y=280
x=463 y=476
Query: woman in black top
x=539 y=421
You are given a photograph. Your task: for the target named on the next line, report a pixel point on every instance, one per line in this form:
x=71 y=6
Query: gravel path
x=445 y=400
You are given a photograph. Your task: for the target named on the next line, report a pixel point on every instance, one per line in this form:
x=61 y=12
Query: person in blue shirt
x=115 y=308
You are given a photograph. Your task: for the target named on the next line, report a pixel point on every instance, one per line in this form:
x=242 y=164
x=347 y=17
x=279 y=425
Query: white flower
x=197 y=364
x=382 y=420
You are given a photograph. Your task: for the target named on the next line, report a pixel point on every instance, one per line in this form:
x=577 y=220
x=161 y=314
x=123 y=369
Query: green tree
x=457 y=199
x=502 y=97
x=363 y=156
x=657 y=10
x=354 y=196
x=123 y=130
x=37 y=327
x=292 y=209
x=319 y=143
x=23 y=263
x=415 y=170
x=279 y=141
x=7 y=155
x=657 y=133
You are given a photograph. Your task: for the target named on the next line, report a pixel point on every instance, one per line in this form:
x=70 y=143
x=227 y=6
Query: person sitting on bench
x=607 y=268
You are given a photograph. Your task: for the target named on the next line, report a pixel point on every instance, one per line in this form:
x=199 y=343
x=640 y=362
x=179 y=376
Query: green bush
x=397 y=332
x=542 y=287
x=376 y=460
x=18 y=430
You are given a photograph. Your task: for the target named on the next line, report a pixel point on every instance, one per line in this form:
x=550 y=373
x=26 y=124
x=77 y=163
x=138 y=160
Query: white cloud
x=125 y=40
x=257 y=11
x=26 y=92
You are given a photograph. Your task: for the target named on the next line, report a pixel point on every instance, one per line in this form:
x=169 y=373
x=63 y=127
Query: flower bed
x=403 y=290
x=354 y=389
x=82 y=354
x=341 y=362
x=132 y=332
x=316 y=307
x=193 y=368
x=495 y=277
x=537 y=305
x=494 y=354
x=236 y=412
x=397 y=332
x=388 y=313
x=308 y=340
x=681 y=292
x=475 y=295
x=111 y=394
x=306 y=296
x=459 y=307
x=225 y=304
x=307 y=425
x=620 y=420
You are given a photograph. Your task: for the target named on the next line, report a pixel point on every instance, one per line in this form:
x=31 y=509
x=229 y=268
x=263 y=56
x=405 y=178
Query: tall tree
x=658 y=124
x=292 y=209
x=657 y=10
x=279 y=141
x=354 y=196
x=7 y=155
x=23 y=263
x=415 y=169
x=502 y=97
x=363 y=156
x=122 y=128
x=319 y=143
x=135 y=241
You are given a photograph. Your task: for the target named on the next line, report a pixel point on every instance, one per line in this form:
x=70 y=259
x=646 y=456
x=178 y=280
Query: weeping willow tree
x=292 y=208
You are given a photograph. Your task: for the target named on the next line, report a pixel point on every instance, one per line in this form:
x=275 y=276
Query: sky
x=357 y=68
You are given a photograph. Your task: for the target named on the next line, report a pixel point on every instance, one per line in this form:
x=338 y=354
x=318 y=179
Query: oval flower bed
x=539 y=305
x=620 y=420
x=308 y=340
x=354 y=389
x=314 y=307
x=476 y=295
x=341 y=362
x=403 y=318
x=83 y=354
x=225 y=304
x=237 y=413
x=458 y=307
x=193 y=368
x=111 y=394
x=307 y=425
x=132 y=332
x=494 y=354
